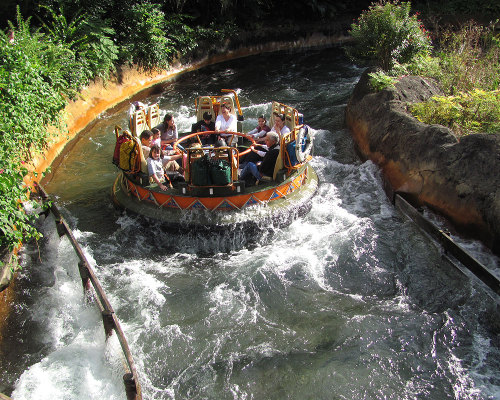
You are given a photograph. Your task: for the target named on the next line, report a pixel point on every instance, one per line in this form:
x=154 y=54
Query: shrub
x=380 y=80
x=386 y=33
x=477 y=111
x=88 y=38
x=33 y=91
x=143 y=39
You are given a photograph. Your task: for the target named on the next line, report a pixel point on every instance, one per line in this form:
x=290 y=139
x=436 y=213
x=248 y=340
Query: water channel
x=350 y=301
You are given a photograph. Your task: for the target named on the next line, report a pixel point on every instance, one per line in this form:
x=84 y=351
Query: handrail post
x=107 y=321
x=130 y=386
x=84 y=274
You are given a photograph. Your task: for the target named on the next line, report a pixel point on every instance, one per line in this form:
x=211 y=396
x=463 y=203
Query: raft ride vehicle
x=210 y=194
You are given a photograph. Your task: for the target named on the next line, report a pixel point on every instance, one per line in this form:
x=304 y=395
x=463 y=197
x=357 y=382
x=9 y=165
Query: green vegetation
x=386 y=33
x=476 y=111
x=466 y=64
x=43 y=67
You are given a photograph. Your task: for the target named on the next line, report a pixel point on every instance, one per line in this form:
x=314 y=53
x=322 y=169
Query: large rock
x=457 y=177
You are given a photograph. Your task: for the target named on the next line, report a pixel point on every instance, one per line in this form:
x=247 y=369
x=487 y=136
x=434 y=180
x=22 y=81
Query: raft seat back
x=153 y=115
x=275 y=108
x=138 y=123
x=279 y=163
x=290 y=118
x=204 y=105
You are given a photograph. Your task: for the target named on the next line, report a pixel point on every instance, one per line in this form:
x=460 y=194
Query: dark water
x=349 y=302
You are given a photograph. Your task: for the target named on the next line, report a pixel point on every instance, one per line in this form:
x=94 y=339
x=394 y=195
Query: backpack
x=129 y=156
x=119 y=140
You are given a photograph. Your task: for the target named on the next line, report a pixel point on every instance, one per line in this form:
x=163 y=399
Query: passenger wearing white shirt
x=279 y=125
x=225 y=123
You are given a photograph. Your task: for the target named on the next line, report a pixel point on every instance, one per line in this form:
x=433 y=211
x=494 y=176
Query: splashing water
x=348 y=302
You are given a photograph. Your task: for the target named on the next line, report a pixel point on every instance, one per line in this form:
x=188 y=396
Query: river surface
x=350 y=301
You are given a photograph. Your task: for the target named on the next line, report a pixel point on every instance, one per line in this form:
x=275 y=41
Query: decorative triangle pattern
x=171 y=203
x=151 y=198
x=251 y=201
x=225 y=206
x=197 y=205
x=275 y=195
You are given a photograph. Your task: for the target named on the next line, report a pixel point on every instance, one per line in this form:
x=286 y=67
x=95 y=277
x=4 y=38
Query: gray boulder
x=457 y=177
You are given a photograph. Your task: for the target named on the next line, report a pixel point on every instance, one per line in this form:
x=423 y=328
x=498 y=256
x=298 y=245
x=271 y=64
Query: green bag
x=200 y=172
x=220 y=172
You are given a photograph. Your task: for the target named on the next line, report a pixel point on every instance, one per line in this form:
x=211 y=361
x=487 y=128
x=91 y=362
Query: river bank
x=428 y=164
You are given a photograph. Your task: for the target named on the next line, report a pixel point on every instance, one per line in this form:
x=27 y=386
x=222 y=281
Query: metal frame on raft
x=109 y=318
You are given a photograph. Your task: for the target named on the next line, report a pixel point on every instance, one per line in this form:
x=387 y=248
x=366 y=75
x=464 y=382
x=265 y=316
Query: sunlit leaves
x=386 y=33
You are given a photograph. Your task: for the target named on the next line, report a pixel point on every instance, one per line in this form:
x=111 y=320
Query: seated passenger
x=146 y=142
x=266 y=167
x=155 y=167
x=206 y=124
x=156 y=137
x=226 y=122
x=168 y=131
x=168 y=161
x=279 y=125
x=260 y=131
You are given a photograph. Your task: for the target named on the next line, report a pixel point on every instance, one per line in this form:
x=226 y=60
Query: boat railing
x=89 y=278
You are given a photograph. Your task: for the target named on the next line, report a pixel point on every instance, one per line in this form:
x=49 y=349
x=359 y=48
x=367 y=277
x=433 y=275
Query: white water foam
x=80 y=364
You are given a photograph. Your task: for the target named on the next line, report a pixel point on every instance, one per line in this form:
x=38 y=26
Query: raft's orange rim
x=195 y=134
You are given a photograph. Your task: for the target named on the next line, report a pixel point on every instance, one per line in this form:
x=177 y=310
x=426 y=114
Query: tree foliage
x=386 y=33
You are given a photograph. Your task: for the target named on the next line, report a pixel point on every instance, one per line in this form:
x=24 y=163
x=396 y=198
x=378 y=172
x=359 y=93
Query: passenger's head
x=272 y=138
x=220 y=143
x=146 y=137
x=225 y=108
x=168 y=120
x=138 y=105
x=279 y=119
x=155 y=152
x=156 y=133
x=207 y=117
x=262 y=120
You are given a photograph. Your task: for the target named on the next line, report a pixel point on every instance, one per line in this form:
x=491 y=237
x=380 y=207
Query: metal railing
x=109 y=319
x=448 y=244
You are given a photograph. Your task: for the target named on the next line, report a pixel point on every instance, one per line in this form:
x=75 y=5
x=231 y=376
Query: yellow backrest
x=153 y=115
x=290 y=117
x=138 y=123
x=204 y=105
x=275 y=108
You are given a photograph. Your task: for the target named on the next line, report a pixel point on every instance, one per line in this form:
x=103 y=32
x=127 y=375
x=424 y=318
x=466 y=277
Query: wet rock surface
x=457 y=177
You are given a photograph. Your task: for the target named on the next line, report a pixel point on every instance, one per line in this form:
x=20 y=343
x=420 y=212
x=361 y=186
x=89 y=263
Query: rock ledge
x=458 y=178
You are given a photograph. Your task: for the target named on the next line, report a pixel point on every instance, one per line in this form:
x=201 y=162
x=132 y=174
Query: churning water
x=349 y=302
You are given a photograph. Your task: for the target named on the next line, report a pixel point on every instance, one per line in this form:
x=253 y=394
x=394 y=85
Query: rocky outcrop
x=457 y=177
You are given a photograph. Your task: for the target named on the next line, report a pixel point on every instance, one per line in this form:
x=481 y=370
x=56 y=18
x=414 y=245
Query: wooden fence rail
x=89 y=279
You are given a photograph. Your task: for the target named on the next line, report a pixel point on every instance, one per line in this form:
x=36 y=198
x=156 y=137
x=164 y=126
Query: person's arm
x=218 y=123
x=173 y=157
x=233 y=124
x=160 y=184
x=253 y=132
